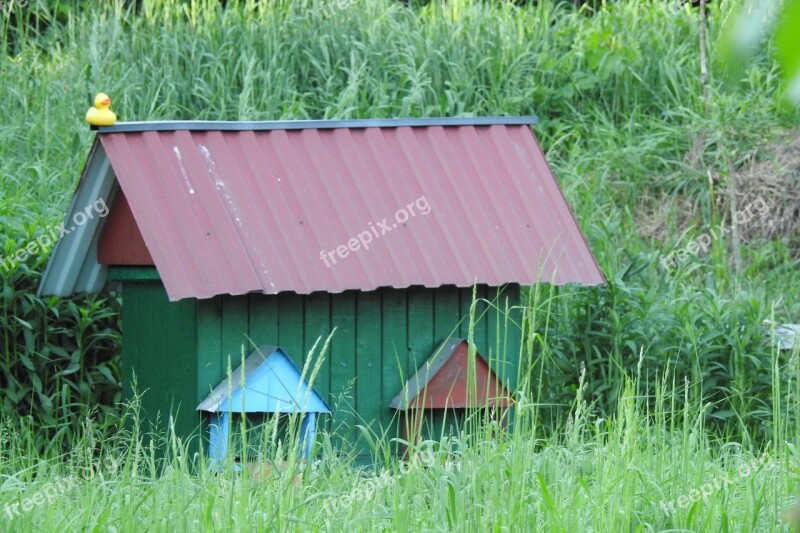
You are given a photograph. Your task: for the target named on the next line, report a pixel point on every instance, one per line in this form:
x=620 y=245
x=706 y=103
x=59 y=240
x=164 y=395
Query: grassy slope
x=619 y=101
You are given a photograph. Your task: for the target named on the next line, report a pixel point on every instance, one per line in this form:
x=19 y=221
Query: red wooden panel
x=448 y=387
x=121 y=243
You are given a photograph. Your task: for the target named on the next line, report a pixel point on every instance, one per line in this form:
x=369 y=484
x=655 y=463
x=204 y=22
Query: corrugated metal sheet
x=230 y=212
x=73 y=265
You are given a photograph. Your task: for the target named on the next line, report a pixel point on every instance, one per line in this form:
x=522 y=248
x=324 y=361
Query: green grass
x=680 y=385
x=636 y=470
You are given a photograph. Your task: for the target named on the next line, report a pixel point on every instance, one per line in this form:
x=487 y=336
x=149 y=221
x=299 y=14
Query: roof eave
x=72 y=266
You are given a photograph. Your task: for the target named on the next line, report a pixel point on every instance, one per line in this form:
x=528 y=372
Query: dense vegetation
x=677 y=364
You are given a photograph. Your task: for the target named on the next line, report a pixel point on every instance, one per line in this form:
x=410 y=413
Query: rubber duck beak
x=107 y=101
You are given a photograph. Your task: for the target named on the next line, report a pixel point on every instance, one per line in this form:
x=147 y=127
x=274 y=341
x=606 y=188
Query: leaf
x=106 y=372
x=452 y=508
x=61 y=352
x=26 y=361
x=30 y=341
x=46 y=402
x=71 y=369
x=23 y=323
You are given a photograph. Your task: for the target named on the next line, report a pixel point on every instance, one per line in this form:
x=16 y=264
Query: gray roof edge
x=211 y=125
x=69 y=257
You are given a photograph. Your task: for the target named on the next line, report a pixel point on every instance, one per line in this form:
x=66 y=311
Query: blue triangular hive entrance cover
x=272 y=384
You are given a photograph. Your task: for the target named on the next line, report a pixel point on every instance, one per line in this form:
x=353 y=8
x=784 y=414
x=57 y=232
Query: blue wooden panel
x=218 y=428
x=307 y=429
x=274 y=386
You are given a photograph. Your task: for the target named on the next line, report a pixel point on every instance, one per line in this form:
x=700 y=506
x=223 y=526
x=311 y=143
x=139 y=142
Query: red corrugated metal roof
x=230 y=212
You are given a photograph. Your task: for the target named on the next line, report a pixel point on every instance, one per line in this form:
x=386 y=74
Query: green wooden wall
x=180 y=351
x=159 y=348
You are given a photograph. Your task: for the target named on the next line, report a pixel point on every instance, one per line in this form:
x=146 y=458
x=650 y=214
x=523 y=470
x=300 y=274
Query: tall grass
x=647 y=466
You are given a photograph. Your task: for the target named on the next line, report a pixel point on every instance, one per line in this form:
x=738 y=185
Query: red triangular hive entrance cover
x=441 y=383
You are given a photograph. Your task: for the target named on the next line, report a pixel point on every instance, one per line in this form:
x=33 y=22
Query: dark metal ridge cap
x=211 y=125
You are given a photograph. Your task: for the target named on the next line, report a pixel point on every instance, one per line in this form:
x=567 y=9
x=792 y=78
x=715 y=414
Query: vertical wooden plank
x=343 y=360
x=130 y=338
x=445 y=313
x=264 y=319
x=235 y=325
x=368 y=359
x=499 y=360
x=317 y=325
x=167 y=357
x=504 y=335
x=494 y=325
x=420 y=328
x=150 y=387
x=479 y=328
x=464 y=301
x=512 y=335
x=394 y=353
x=210 y=366
x=290 y=326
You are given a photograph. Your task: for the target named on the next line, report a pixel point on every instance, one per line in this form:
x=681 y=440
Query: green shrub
x=60 y=357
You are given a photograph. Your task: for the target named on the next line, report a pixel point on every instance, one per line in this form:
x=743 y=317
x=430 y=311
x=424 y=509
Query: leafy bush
x=714 y=346
x=60 y=357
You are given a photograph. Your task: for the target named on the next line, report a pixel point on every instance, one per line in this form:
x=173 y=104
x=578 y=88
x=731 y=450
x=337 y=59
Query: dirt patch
x=773 y=176
x=768 y=183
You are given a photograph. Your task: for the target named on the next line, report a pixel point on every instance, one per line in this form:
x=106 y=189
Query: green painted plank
x=130 y=346
x=394 y=352
x=464 y=300
x=235 y=326
x=317 y=323
x=421 y=340
x=167 y=348
x=368 y=359
x=263 y=319
x=211 y=368
x=494 y=327
x=513 y=335
x=133 y=273
x=148 y=380
x=479 y=318
x=343 y=361
x=290 y=326
x=501 y=333
x=445 y=313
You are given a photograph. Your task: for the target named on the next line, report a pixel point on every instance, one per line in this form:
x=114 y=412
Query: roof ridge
x=267 y=125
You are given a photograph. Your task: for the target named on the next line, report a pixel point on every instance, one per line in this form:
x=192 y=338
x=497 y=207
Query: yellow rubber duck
x=100 y=114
